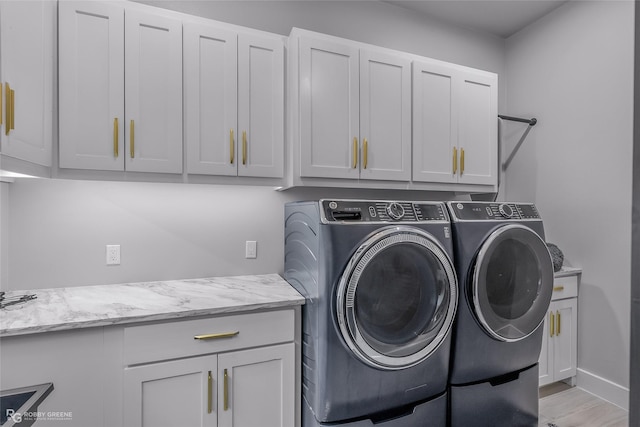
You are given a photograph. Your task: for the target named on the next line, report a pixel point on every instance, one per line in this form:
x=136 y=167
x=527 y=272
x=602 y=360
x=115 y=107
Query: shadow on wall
x=594 y=320
x=519 y=182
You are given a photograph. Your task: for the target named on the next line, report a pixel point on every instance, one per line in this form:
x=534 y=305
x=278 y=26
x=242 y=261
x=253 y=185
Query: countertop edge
x=237 y=294
x=169 y=316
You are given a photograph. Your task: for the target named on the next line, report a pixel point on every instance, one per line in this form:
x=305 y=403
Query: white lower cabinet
x=558 y=357
x=234 y=370
x=74 y=361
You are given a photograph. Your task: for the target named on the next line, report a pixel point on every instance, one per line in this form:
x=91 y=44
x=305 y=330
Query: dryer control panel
x=354 y=211
x=492 y=211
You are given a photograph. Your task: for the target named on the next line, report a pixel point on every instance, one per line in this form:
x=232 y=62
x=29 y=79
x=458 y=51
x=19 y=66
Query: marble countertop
x=59 y=309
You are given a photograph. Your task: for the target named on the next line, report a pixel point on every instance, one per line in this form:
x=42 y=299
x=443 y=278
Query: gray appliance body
x=381 y=295
x=506 y=281
x=507 y=401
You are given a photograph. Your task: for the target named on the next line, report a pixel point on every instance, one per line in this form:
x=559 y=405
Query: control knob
x=505 y=210
x=395 y=210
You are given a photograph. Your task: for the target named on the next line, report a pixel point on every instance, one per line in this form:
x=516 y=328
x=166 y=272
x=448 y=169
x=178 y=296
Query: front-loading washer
x=506 y=281
x=381 y=295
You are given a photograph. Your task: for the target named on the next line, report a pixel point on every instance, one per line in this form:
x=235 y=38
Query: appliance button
x=505 y=210
x=395 y=210
x=372 y=212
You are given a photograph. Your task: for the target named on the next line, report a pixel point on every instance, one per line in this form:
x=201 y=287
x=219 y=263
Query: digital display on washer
x=430 y=212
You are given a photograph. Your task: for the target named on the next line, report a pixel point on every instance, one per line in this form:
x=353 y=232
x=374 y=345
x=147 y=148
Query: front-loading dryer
x=381 y=295
x=506 y=281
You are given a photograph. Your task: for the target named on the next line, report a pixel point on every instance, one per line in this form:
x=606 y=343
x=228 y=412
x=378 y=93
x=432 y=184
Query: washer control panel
x=353 y=211
x=492 y=211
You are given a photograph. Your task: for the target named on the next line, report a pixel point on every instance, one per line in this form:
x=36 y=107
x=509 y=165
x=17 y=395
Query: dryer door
x=512 y=283
x=397 y=298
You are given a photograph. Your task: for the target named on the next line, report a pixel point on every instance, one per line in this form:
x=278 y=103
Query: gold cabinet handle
x=455 y=160
x=232 y=147
x=12 y=121
x=552 y=324
x=557 y=323
x=558 y=288
x=115 y=137
x=461 y=161
x=244 y=147
x=216 y=336
x=209 y=393
x=7 y=123
x=365 y=155
x=132 y=140
x=226 y=390
x=354 y=162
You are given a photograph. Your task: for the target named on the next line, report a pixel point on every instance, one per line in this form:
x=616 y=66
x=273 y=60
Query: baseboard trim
x=603 y=388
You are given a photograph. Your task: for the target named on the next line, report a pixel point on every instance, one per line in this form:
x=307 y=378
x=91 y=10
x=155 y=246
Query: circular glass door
x=396 y=298
x=512 y=283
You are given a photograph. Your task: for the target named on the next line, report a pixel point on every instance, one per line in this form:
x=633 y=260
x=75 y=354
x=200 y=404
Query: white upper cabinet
x=27 y=37
x=454 y=124
x=355 y=112
x=385 y=116
x=115 y=61
x=478 y=128
x=435 y=119
x=153 y=92
x=260 y=106
x=91 y=81
x=329 y=115
x=234 y=102
x=210 y=99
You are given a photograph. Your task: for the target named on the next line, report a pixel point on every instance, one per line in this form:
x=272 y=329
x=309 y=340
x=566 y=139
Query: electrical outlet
x=251 y=249
x=113 y=254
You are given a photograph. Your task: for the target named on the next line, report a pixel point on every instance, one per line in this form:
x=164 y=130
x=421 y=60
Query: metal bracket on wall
x=531 y=123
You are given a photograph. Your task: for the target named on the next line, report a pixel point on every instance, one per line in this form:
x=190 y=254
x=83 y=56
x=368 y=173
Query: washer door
x=512 y=283
x=397 y=298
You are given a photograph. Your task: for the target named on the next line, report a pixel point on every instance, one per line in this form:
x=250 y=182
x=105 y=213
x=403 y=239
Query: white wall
x=59 y=229
x=573 y=70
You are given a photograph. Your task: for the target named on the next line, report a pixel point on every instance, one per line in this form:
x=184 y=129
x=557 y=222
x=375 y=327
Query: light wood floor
x=564 y=406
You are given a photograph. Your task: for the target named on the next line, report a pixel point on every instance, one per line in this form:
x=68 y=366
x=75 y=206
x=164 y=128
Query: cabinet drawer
x=172 y=340
x=565 y=287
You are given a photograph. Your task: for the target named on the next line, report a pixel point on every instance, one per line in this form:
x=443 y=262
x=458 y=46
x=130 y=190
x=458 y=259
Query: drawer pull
x=216 y=336
x=558 y=288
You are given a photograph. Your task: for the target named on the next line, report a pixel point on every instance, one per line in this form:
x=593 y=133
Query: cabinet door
x=153 y=87
x=385 y=116
x=210 y=99
x=91 y=85
x=545 y=362
x=26 y=70
x=478 y=138
x=169 y=394
x=329 y=109
x=260 y=106
x=257 y=387
x=565 y=340
x=435 y=122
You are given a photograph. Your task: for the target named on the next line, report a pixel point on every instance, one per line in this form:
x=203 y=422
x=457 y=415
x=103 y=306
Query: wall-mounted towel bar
x=532 y=122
